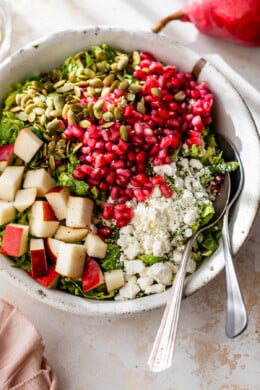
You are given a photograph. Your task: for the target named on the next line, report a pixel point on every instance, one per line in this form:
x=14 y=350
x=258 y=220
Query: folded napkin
x=22 y=365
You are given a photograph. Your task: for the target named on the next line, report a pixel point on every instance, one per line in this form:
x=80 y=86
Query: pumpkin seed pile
x=48 y=102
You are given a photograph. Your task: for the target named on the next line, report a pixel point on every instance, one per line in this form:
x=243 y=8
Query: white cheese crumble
x=160 y=227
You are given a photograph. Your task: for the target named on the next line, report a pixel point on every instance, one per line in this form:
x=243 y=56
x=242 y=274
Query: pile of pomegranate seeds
x=170 y=108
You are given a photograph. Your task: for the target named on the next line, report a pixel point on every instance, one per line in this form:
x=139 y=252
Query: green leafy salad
x=108 y=164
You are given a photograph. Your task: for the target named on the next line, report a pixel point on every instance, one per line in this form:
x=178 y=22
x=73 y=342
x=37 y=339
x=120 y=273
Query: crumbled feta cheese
x=156 y=192
x=173 y=267
x=144 y=282
x=160 y=224
x=177 y=256
x=154 y=289
x=166 y=169
x=188 y=233
x=190 y=217
x=194 y=163
x=191 y=267
x=161 y=273
x=129 y=291
x=133 y=267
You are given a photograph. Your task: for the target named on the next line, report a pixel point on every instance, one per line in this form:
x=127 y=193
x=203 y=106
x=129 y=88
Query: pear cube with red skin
x=10 y=182
x=95 y=246
x=93 y=276
x=68 y=234
x=7 y=212
x=40 y=179
x=24 y=199
x=50 y=280
x=38 y=258
x=52 y=248
x=71 y=260
x=6 y=156
x=27 y=144
x=58 y=198
x=114 y=279
x=42 y=229
x=42 y=210
x=79 y=211
x=15 y=240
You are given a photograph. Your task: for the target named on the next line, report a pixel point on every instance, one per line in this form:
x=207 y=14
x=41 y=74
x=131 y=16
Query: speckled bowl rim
x=209 y=269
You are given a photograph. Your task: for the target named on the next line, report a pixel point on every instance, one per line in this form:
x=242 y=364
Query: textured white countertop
x=93 y=354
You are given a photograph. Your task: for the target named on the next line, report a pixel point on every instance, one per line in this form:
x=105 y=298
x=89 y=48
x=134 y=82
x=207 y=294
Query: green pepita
x=123 y=85
x=156 y=92
x=118 y=114
x=108 y=116
x=84 y=123
x=95 y=82
x=123 y=132
x=108 y=80
x=108 y=124
x=179 y=96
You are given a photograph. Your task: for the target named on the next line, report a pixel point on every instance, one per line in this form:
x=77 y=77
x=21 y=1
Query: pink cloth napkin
x=22 y=365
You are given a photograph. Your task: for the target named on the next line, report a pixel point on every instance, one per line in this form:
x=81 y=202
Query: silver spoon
x=162 y=352
x=236 y=315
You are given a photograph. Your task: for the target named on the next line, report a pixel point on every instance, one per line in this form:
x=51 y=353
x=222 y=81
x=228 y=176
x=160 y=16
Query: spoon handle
x=161 y=356
x=236 y=315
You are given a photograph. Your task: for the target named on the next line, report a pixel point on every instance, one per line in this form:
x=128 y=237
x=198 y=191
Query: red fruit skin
x=11 y=241
x=236 y=21
x=39 y=263
x=6 y=152
x=50 y=280
x=92 y=276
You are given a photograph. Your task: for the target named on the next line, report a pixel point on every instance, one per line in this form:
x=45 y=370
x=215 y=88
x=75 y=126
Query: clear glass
x=5 y=29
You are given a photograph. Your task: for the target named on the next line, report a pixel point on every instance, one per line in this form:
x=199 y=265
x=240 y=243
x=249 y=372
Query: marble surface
x=90 y=354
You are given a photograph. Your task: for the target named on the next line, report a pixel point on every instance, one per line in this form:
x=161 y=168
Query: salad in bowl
x=108 y=165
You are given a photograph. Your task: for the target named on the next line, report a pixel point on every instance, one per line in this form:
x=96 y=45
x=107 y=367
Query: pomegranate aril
x=108 y=212
x=141 y=178
x=156 y=180
x=86 y=169
x=103 y=186
x=78 y=174
x=111 y=177
x=105 y=231
x=122 y=222
x=114 y=193
x=139 y=195
x=165 y=190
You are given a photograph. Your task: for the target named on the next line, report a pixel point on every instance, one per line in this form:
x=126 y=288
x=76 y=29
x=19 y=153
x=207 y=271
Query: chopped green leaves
x=150 y=259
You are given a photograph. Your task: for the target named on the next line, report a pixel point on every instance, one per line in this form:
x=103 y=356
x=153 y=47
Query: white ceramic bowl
x=231 y=117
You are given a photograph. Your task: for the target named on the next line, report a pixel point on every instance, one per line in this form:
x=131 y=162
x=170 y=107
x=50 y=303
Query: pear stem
x=162 y=23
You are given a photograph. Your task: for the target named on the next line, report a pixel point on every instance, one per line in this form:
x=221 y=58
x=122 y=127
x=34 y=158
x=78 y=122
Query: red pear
x=236 y=21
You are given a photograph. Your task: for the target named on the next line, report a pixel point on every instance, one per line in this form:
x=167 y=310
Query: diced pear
x=79 y=211
x=15 y=240
x=52 y=248
x=95 y=246
x=38 y=258
x=58 y=197
x=71 y=260
x=41 y=210
x=27 y=144
x=7 y=212
x=68 y=234
x=114 y=279
x=42 y=229
x=92 y=276
x=6 y=156
x=24 y=198
x=10 y=182
x=40 y=179
x=50 y=280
